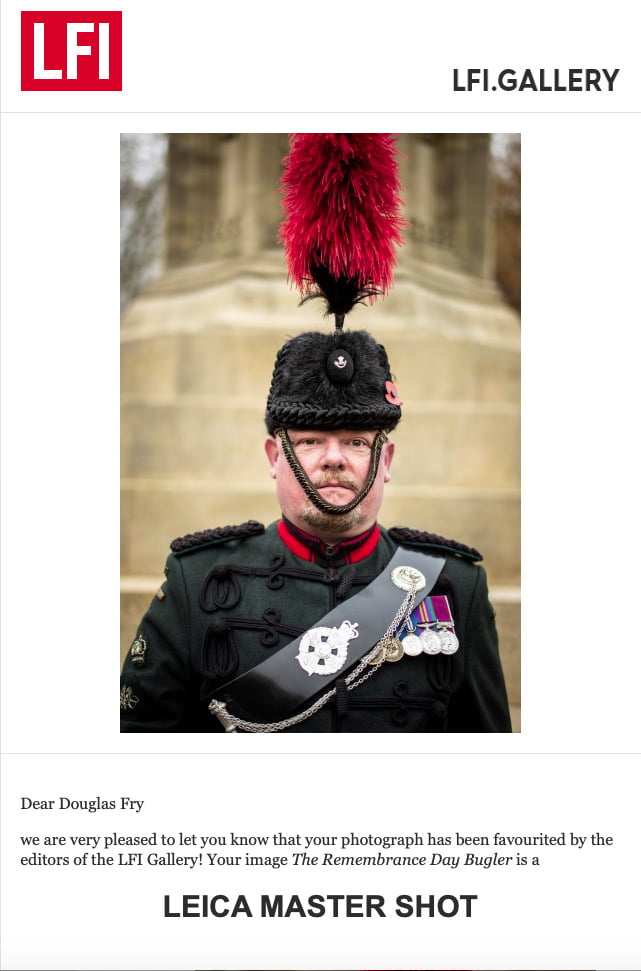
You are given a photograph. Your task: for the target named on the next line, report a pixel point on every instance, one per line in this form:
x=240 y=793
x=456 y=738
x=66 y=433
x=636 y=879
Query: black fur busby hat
x=328 y=382
x=341 y=203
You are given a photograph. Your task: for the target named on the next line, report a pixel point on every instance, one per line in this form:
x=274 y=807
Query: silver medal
x=430 y=641
x=449 y=641
x=412 y=645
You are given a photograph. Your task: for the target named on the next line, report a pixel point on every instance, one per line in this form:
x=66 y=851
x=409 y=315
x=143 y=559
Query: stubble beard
x=326 y=526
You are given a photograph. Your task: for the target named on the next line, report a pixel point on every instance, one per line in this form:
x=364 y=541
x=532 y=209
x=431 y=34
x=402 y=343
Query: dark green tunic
x=228 y=604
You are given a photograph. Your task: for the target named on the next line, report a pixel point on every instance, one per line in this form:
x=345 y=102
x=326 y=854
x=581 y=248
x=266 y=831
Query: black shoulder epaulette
x=405 y=536
x=222 y=534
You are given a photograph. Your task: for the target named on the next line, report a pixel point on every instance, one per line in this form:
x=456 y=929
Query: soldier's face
x=337 y=464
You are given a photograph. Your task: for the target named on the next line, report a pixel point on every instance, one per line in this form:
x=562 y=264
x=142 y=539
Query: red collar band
x=309 y=548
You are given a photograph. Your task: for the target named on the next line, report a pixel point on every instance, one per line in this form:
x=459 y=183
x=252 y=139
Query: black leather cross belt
x=308 y=665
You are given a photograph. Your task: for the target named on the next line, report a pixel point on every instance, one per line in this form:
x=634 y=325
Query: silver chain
x=401 y=618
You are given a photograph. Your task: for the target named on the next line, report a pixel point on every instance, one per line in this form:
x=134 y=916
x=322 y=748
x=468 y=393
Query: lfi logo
x=71 y=50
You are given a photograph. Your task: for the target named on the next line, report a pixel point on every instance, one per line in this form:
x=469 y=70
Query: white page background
x=574 y=768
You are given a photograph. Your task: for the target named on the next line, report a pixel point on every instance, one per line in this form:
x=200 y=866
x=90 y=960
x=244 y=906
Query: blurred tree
x=142 y=201
x=507 y=173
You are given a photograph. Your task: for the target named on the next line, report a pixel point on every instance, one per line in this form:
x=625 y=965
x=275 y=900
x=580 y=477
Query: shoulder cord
x=312 y=493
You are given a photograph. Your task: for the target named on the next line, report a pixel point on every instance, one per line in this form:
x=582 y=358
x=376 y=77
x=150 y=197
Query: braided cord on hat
x=310 y=490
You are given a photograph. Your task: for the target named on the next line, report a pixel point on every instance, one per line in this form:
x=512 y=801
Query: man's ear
x=272 y=453
x=386 y=461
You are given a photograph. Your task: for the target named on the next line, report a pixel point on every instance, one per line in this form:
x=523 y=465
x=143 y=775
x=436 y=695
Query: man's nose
x=333 y=456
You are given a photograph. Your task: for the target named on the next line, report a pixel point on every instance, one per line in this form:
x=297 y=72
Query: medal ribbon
x=432 y=610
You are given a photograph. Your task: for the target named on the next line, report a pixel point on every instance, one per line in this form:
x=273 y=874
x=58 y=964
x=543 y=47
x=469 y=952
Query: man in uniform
x=324 y=621
x=236 y=597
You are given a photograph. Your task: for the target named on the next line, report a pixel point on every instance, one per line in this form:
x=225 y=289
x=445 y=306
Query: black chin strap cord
x=310 y=490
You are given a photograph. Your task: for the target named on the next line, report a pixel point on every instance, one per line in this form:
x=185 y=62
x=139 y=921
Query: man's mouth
x=336 y=486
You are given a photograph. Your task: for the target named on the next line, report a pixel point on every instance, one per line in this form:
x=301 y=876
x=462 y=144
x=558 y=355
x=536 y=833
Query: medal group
x=429 y=630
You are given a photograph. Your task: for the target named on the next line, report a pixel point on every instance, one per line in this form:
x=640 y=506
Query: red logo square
x=71 y=50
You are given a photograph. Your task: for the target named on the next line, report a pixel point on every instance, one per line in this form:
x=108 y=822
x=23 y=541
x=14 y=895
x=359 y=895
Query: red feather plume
x=341 y=201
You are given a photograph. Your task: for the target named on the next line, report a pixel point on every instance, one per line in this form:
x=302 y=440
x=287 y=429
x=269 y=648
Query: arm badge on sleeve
x=138 y=651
